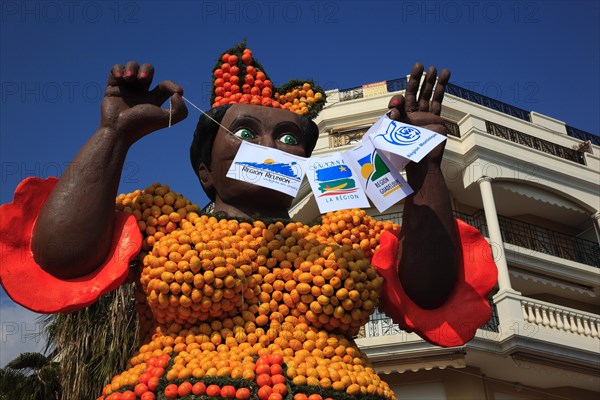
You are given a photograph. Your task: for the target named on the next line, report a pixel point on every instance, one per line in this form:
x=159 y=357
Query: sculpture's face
x=269 y=127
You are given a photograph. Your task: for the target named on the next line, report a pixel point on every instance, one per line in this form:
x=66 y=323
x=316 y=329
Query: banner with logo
x=406 y=140
x=334 y=184
x=278 y=170
x=374 y=89
x=381 y=181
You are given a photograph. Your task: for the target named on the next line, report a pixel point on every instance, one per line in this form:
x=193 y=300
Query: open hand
x=131 y=110
x=420 y=112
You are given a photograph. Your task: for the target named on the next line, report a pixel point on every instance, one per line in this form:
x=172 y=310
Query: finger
x=440 y=89
x=131 y=72
x=145 y=75
x=413 y=85
x=179 y=110
x=151 y=118
x=115 y=76
x=427 y=89
x=396 y=106
x=163 y=91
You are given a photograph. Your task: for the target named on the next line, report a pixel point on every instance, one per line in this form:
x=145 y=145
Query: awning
x=539 y=194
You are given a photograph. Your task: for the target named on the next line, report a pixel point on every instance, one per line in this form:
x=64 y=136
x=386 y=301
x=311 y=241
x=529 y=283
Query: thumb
x=178 y=109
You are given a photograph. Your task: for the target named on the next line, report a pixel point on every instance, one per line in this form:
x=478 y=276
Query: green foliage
x=30 y=376
x=94 y=343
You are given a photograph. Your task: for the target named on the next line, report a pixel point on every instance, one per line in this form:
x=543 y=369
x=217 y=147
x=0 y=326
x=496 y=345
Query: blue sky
x=55 y=56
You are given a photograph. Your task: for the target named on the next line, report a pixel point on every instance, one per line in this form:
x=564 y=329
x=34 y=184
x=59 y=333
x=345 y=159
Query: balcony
x=535 y=143
x=583 y=135
x=544 y=323
x=529 y=236
x=381 y=325
x=347 y=136
x=488 y=102
x=559 y=318
x=396 y=85
x=351 y=94
x=539 y=239
x=521 y=327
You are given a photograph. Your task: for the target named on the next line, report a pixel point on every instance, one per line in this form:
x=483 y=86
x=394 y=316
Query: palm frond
x=30 y=376
x=93 y=344
x=28 y=361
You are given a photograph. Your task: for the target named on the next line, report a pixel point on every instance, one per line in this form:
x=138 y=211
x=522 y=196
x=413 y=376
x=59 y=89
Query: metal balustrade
x=529 y=236
x=347 y=137
x=549 y=242
x=395 y=85
x=583 y=135
x=453 y=129
x=381 y=325
x=488 y=102
x=351 y=94
x=535 y=143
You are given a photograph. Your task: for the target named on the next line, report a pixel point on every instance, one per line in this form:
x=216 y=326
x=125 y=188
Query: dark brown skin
x=429 y=254
x=270 y=128
x=79 y=214
x=130 y=111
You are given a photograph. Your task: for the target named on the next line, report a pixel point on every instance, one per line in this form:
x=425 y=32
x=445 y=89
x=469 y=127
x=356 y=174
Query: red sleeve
x=32 y=287
x=467 y=309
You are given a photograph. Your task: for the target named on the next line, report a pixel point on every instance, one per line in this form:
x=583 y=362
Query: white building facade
x=531 y=184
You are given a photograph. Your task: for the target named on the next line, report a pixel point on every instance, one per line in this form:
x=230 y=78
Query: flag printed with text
x=383 y=183
x=406 y=140
x=334 y=184
x=278 y=170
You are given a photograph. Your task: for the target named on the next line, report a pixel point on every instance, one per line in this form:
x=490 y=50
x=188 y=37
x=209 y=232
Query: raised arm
x=73 y=233
x=429 y=254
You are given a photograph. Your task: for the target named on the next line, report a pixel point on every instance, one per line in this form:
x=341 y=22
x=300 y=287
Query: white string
x=208 y=116
x=170 y=112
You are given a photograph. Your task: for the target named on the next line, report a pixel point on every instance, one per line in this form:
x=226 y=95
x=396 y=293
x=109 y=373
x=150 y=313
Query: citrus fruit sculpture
x=248 y=309
x=238 y=78
x=253 y=309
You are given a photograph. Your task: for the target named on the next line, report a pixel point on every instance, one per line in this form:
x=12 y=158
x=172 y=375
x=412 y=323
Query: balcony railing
x=352 y=136
x=535 y=143
x=382 y=325
x=379 y=325
x=530 y=236
x=351 y=94
x=549 y=242
x=560 y=318
x=395 y=85
x=539 y=239
x=488 y=102
x=453 y=129
x=583 y=135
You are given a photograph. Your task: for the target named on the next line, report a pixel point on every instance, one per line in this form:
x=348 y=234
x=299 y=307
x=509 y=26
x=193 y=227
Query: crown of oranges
x=238 y=78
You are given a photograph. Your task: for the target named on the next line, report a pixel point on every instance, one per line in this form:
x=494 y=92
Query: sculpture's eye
x=244 y=134
x=288 y=138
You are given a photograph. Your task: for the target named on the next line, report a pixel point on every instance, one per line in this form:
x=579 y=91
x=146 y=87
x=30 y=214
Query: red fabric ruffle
x=467 y=309
x=32 y=287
